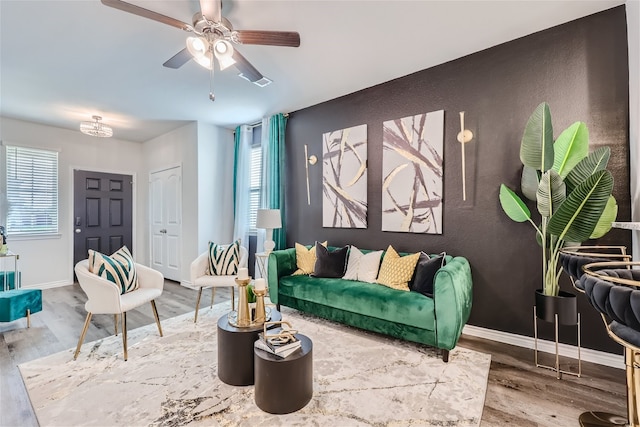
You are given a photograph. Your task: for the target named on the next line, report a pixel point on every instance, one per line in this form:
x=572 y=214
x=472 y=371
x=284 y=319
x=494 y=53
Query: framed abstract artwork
x=412 y=171
x=344 y=178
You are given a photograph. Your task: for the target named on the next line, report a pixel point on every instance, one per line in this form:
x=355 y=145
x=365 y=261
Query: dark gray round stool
x=235 y=350
x=284 y=385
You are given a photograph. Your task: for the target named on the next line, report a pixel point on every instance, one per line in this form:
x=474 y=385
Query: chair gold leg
x=87 y=321
x=115 y=324
x=195 y=320
x=155 y=314
x=233 y=298
x=213 y=292
x=124 y=334
x=28 y=318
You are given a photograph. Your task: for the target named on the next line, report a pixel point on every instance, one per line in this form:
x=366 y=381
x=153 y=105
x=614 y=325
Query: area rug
x=360 y=379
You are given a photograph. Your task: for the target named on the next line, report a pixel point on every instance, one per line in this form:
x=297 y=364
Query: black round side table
x=284 y=385
x=235 y=350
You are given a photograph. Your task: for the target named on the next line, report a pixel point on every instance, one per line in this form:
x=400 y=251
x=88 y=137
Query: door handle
x=78 y=230
x=163 y=231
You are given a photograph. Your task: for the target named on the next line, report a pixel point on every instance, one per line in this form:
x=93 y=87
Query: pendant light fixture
x=96 y=128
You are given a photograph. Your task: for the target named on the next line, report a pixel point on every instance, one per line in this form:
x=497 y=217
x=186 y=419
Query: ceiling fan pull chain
x=212 y=97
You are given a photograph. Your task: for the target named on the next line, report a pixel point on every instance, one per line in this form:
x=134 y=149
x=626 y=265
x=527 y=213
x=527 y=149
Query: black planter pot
x=565 y=305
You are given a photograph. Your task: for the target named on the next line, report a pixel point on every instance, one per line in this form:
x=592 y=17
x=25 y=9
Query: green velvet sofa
x=411 y=316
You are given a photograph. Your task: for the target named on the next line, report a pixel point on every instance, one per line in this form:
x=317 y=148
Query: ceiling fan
x=214 y=36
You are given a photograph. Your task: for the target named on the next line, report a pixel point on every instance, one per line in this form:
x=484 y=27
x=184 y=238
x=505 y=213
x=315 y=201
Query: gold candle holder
x=261 y=314
x=244 y=318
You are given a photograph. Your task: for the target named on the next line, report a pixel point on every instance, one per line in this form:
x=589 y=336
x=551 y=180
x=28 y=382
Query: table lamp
x=268 y=219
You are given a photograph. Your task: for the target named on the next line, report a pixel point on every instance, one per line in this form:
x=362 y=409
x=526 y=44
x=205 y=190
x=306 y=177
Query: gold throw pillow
x=306 y=258
x=396 y=271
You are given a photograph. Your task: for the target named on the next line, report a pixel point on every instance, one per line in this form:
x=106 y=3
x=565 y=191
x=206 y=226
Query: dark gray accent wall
x=579 y=68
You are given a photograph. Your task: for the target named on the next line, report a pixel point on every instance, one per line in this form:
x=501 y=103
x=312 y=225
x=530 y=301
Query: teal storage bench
x=16 y=303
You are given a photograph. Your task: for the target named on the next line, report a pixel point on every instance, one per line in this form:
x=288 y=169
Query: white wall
x=178 y=147
x=215 y=185
x=49 y=262
x=633 y=35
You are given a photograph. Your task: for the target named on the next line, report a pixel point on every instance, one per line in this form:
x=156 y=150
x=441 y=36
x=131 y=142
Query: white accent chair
x=200 y=278
x=104 y=298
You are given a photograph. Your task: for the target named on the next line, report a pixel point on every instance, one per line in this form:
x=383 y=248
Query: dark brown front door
x=102 y=214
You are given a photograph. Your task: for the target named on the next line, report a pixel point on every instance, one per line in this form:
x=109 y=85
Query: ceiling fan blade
x=244 y=66
x=211 y=9
x=178 y=60
x=271 y=38
x=146 y=13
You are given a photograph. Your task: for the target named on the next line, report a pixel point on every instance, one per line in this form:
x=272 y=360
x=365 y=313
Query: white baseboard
x=586 y=354
x=49 y=285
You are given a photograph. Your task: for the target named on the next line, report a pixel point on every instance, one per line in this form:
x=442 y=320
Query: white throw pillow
x=362 y=267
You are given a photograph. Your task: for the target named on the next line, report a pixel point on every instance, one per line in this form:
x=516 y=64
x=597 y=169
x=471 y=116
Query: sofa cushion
x=425 y=273
x=330 y=263
x=368 y=299
x=224 y=259
x=362 y=266
x=396 y=271
x=306 y=258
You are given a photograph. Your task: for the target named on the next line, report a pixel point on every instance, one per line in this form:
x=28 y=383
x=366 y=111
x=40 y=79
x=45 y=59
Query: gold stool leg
x=124 y=334
x=195 y=320
x=155 y=314
x=84 y=332
x=213 y=292
x=28 y=317
x=115 y=323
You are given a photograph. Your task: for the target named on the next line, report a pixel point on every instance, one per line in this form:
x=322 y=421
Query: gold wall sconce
x=308 y=160
x=464 y=136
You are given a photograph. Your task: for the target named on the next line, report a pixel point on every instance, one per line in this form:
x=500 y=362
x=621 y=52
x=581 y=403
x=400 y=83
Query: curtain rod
x=256 y=124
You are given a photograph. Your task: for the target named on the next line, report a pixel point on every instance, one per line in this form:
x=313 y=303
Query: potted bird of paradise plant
x=572 y=190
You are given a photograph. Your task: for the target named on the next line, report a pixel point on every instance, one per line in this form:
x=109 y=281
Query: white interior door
x=165 y=190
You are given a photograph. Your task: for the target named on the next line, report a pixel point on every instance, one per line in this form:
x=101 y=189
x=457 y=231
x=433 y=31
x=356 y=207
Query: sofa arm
x=453 y=295
x=280 y=263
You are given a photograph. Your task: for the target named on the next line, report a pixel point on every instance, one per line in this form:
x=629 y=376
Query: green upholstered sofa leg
x=445 y=356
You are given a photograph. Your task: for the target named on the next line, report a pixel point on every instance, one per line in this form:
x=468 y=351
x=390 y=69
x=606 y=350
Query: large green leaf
x=551 y=193
x=570 y=148
x=536 y=148
x=606 y=219
x=513 y=205
x=596 y=161
x=577 y=217
x=529 y=182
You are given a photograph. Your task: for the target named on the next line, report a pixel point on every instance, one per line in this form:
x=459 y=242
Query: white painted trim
x=587 y=355
x=48 y=285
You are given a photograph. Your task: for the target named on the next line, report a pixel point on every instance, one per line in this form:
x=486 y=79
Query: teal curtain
x=274 y=176
x=236 y=156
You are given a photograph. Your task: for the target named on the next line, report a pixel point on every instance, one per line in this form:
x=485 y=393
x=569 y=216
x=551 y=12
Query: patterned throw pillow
x=396 y=271
x=224 y=259
x=118 y=268
x=305 y=259
x=362 y=267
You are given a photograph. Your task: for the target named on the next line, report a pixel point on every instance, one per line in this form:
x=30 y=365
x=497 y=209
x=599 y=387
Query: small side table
x=262 y=258
x=284 y=385
x=235 y=350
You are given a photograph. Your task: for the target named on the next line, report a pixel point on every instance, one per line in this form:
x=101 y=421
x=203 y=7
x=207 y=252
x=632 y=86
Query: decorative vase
x=565 y=305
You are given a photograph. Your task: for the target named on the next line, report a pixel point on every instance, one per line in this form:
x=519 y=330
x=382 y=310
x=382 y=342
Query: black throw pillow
x=425 y=273
x=330 y=263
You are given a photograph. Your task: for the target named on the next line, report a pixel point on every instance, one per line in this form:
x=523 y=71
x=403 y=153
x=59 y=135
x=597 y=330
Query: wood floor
x=518 y=394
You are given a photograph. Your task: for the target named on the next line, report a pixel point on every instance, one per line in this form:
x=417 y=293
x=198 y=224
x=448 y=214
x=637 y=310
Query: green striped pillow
x=224 y=259
x=118 y=268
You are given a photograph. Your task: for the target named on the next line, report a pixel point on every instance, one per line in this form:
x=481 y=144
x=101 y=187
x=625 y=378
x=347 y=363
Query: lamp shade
x=268 y=219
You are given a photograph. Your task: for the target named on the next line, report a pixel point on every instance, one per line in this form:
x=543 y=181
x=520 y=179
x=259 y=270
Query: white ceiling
x=63 y=61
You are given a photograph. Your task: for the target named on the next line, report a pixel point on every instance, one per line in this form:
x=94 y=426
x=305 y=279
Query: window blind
x=254 y=186
x=32 y=190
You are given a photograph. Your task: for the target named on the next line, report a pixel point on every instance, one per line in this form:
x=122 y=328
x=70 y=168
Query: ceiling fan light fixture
x=224 y=53
x=205 y=60
x=197 y=46
x=96 y=128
